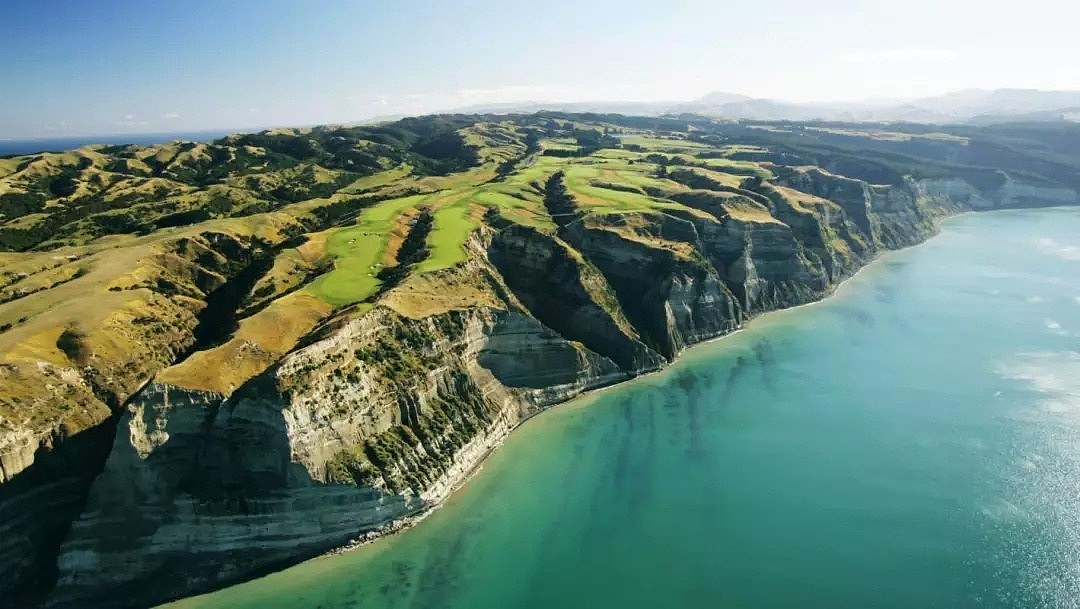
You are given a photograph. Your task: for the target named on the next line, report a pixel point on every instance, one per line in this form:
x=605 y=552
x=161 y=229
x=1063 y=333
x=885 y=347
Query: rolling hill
x=218 y=358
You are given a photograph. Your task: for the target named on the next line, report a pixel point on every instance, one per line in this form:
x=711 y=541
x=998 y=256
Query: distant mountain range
x=969 y=106
x=977 y=106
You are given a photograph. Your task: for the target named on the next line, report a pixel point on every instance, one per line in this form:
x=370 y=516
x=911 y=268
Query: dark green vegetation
x=361 y=312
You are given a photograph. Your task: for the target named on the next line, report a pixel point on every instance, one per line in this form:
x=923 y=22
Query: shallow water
x=912 y=442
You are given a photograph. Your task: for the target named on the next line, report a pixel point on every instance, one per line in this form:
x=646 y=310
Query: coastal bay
x=910 y=441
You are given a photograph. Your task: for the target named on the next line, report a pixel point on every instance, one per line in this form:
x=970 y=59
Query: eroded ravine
x=358 y=375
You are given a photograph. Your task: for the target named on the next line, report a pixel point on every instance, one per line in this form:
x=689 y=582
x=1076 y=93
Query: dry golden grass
x=84 y=301
x=746 y=210
x=112 y=282
x=289 y=272
x=259 y=341
x=378 y=180
x=640 y=228
x=42 y=280
x=146 y=189
x=314 y=249
x=805 y=202
x=197 y=154
x=398 y=233
x=437 y=292
x=8 y=166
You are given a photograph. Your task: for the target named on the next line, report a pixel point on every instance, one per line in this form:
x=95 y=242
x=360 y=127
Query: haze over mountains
x=979 y=106
x=970 y=106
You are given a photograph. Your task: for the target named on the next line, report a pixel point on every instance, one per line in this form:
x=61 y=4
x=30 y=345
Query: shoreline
x=407 y=522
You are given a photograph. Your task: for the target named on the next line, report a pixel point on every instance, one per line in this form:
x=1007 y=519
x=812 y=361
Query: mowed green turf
x=451 y=226
x=458 y=201
x=520 y=206
x=579 y=180
x=356 y=251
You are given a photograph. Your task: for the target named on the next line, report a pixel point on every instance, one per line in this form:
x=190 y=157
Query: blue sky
x=77 y=67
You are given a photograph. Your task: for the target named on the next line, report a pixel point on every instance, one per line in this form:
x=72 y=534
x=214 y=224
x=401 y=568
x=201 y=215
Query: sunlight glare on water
x=912 y=442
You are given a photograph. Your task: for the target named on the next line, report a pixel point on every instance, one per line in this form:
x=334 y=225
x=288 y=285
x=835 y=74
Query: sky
x=141 y=66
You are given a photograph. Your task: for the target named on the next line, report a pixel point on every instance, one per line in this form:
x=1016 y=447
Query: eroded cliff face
x=328 y=445
x=568 y=294
x=659 y=276
x=384 y=410
x=67 y=370
x=1011 y=193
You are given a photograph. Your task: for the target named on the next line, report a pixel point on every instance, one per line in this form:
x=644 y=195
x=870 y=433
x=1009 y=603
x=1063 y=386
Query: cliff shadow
x=37 y=508
x=219 y=502
x=544 y=276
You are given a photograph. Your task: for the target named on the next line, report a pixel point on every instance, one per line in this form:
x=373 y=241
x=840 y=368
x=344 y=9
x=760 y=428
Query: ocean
x=911 y=442
x=60 y=144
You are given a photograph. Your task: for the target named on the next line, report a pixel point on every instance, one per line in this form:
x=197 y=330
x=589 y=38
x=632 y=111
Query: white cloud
x=253 y=110
x=129 y=117
x=903 y=54
x=171 y=115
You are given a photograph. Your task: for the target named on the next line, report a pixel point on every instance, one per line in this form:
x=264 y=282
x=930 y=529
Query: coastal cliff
x=382 y=419
x=264 y=411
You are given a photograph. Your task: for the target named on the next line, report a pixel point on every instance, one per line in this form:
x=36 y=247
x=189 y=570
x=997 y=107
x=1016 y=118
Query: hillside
x=219 y=358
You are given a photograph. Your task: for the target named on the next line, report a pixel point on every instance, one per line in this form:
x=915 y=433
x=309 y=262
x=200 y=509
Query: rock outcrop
x=381 y=419
x=312 y=454
x=159 y=476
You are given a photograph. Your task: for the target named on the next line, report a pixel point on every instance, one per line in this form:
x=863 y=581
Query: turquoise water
x=912 y=442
